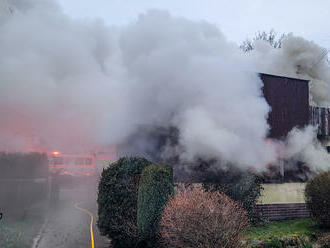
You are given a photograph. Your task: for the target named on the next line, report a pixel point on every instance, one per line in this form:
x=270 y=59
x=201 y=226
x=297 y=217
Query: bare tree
x=271 y=37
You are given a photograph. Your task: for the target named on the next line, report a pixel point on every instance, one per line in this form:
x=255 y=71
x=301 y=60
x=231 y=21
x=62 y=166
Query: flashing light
x=56 y=153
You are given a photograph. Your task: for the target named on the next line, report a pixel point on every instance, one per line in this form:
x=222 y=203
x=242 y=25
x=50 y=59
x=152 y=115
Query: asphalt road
x=68 y=221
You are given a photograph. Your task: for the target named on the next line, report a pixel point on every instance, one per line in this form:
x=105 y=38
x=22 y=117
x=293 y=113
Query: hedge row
x=23 y=165
x=156 y=185
x=131 y=195
x=317 y=194
x=242 y=186
x=23 y=182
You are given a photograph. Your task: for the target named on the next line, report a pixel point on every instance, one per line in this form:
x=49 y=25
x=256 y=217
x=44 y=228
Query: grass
x=18 y=234
x=278 y=229
x=10 y=238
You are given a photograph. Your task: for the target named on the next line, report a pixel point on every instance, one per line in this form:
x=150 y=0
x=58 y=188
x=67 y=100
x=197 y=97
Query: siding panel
x=289 y=102
x=320 y=117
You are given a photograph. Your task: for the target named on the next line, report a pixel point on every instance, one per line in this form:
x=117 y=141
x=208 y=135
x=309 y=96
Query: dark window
x=57 y=160
x=68 y=161
x=328 y=149
x=79 y=161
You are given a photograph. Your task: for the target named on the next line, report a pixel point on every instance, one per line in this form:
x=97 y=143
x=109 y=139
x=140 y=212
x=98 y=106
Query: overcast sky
x=237 y=19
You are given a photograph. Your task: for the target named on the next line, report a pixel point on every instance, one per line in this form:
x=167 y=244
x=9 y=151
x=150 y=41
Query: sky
x=238 y=19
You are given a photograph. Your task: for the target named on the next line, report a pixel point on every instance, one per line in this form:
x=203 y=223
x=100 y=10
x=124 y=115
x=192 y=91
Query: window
x=57 y=160
x=69 y=161
x=79 y=161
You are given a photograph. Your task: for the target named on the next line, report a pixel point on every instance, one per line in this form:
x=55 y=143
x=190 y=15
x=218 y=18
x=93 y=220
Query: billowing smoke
x=73 y=84
x=297 y=58
x=302 y=145
x=54 y=92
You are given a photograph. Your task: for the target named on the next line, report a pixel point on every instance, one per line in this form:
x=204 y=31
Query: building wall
x=320 y=117
x=283 y=211
x=282 y=193
x=289 y=102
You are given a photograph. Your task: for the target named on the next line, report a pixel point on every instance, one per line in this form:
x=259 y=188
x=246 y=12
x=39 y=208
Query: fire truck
x=72 y=164
x=84 y=164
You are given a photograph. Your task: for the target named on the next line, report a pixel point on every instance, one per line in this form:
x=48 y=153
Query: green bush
x=156 y=186
x=306 y=243
x=273 y=243
x=283 y=242
x=239 y=185
x=117 y=201
x=317 y=195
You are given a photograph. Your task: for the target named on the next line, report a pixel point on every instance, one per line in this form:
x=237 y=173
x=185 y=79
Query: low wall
x=282 y=211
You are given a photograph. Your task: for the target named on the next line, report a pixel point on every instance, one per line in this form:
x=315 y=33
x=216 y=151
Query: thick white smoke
x=188 y=75
x=53 y=90
x=297 y=58
x=69 y=84
x=302 y=145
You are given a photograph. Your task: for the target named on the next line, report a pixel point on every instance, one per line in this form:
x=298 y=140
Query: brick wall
x=283 y=211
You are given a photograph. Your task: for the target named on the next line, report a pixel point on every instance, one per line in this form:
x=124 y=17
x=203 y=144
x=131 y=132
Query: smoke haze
x=302 y=145
x=297 y=58
x=74 y=84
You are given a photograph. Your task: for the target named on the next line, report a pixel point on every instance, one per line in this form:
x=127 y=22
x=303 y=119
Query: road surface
x=68 y=223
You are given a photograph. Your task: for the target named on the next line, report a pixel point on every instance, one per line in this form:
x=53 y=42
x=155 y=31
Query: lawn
x=18 y=234
x=278 y=229
x=286 y=233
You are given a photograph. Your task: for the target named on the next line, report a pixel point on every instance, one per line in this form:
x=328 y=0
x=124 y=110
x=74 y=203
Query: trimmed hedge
x=239 y=185
x=155 y=188
x=117 y=201
x=23 y=182
x=23 y=165
x=317 y=194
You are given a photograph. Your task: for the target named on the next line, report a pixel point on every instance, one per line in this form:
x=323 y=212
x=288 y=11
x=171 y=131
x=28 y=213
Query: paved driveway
x=68 y=226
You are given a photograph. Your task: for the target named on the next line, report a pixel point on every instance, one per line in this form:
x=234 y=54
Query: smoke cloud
x=74 y=84
x=297 y=58
x=302 y=145
x=53 y=90
x=304 y=59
